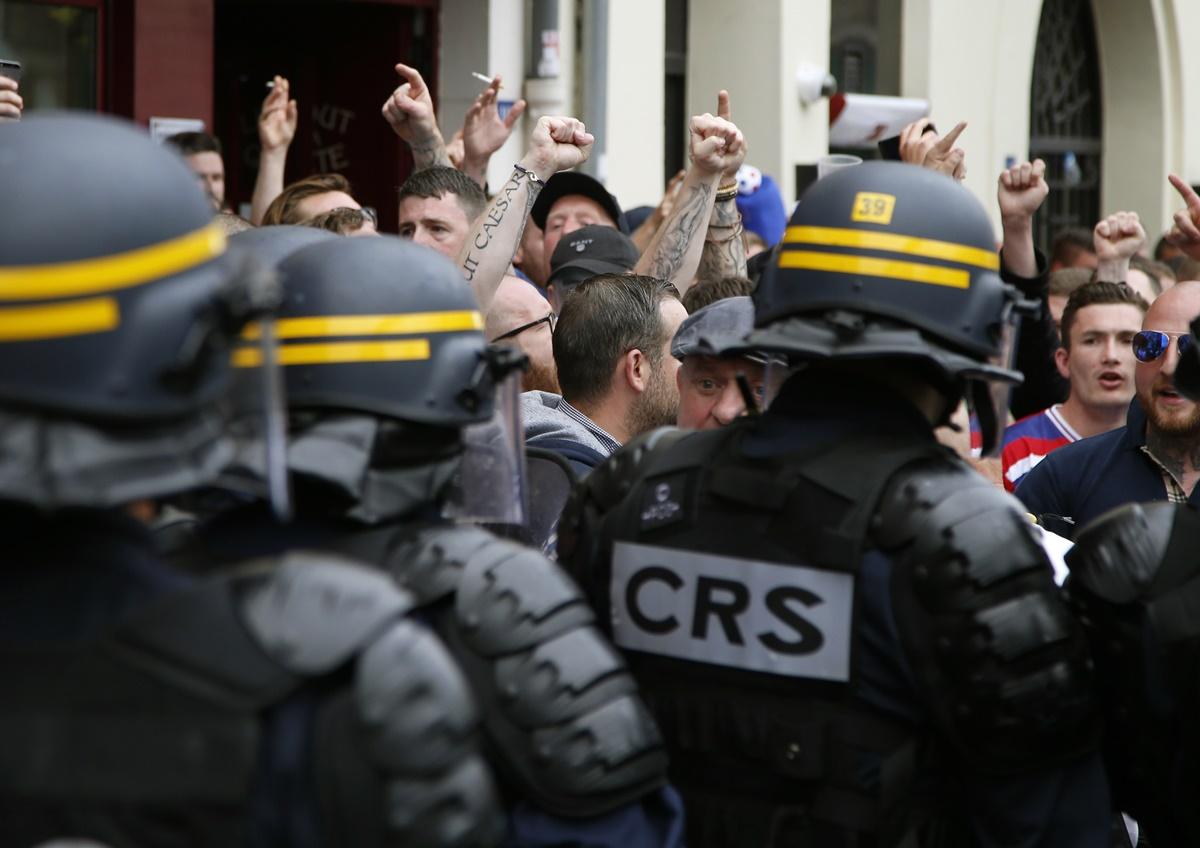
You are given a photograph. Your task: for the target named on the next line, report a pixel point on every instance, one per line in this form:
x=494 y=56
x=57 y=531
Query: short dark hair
x=703 y=293
x=189 y=143
x=1094 y=294
x=602 y=319
x=1068 y=244
x=284 y=208
x=438 y=181
x=1161 y=247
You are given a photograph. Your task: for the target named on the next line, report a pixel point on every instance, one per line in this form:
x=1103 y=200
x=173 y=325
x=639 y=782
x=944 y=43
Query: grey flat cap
x=713 y=329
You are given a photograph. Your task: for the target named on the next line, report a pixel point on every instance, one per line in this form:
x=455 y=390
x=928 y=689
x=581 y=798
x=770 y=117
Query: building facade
x=1101 y=89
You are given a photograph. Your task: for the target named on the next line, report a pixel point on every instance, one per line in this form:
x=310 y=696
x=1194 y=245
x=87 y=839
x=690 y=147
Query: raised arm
x=484 y=131
x=1117 y=238
x=409 y=112
x=1020 y=193
x=276 y=129
x=724 y=251
x=1186 y=233
x=674 y=253
x=556 y=144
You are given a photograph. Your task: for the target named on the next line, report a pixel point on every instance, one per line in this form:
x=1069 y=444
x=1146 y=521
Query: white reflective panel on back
x=758 y=616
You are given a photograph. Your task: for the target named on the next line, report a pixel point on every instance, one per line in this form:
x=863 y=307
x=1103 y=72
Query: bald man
x=522 y=317
x=1156 y=455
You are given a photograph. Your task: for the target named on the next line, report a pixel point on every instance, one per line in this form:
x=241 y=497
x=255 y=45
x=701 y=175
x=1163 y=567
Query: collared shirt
x=611 y=444
x=1030 y=440
x=1085 y=479
x=1176 y=494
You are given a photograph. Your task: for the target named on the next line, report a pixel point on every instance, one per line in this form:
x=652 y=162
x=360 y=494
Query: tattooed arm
x=556 y=144
x=674 y=253
x=724 y=253
x=409 y=112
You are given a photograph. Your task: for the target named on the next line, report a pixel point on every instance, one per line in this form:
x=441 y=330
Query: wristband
x=529 y=175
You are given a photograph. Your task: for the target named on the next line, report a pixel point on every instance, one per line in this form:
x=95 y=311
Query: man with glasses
x=1156 y=455
x=520 y=316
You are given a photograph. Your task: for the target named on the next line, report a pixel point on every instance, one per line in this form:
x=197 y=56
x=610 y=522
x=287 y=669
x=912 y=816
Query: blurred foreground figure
x=1135 y=575
x=847 y=636
x=291 y=702
x=402 y=422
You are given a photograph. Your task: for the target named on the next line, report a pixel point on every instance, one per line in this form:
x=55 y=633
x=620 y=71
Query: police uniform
x=847 y=636
x=386 y=369
x=297 y=701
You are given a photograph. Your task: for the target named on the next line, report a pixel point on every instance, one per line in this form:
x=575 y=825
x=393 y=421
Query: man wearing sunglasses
x=1156 y=455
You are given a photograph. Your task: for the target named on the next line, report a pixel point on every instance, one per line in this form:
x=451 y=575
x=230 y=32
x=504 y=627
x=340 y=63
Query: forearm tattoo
x=428 y=154
x=724 y=253
x=493 y=217
x=686 y=219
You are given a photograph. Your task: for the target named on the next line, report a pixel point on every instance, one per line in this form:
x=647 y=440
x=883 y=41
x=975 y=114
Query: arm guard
x=408 y=719
x=1003 y=666
x=561 y=711
x=1135 y=585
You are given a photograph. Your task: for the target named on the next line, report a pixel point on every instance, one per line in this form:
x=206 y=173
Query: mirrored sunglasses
x=1149 y=345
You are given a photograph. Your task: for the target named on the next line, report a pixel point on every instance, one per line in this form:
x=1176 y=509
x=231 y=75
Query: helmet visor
x=988 y=397
x=490 y=486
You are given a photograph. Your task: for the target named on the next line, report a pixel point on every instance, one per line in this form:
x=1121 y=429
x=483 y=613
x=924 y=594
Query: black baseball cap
x=588 y=251
x=567 y=183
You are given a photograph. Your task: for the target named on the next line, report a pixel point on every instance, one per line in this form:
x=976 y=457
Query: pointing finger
x=723 y=109
x=947 y=142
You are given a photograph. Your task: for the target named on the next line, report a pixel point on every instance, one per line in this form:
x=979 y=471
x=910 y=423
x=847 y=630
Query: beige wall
x=633 y=165
x=757 y=64
x=973 y=61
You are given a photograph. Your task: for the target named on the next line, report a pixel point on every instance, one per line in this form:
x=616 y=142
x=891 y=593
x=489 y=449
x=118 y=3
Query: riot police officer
x=397 y=425
x=296 y=702
x=847 y=636
x=1134 y=580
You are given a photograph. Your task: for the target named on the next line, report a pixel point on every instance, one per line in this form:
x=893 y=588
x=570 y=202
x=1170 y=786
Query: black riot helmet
x=380 y=326
x=390 y=385
x=118 y=312
x=884 y=261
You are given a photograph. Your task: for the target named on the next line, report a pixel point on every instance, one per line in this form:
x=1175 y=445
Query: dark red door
x=339 y=58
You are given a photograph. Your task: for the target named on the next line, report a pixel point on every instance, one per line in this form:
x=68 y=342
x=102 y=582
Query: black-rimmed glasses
x=551 y=319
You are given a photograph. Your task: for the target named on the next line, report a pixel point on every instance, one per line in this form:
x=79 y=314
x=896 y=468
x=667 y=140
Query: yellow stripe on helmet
x=111 y=273
x=321 y=326
x=76 y=318
x=337 y=353
x=989 y=260
x=839 y=263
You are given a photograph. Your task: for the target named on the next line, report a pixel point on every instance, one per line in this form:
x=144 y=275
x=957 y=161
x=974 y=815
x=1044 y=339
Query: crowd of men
x=551 y=523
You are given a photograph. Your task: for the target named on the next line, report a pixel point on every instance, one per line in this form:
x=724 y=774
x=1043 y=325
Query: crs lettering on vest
x=758 y=616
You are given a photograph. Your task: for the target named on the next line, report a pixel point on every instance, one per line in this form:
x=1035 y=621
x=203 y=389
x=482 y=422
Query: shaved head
x=518 y=304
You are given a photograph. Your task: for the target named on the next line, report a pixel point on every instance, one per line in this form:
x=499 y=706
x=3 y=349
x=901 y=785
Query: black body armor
x=563 y=720
x=155 y=733
x=732 y=584
x=1135 y=585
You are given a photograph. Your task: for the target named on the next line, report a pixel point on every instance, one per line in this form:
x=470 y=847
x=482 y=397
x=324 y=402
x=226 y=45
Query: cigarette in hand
x=484 y=78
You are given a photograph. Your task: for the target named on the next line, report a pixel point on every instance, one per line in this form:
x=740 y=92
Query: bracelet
x=529 y=175
x=736 y=233
x=727 y=192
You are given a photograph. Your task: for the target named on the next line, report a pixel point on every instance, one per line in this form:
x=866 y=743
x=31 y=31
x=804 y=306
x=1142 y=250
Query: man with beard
x=612 y=350
x=520 y=316
x=1096 y=357
x=1156 y=455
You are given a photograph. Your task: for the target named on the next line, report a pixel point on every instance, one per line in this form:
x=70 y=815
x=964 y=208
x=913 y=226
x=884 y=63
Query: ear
x=635 y=369
x=1061 y=358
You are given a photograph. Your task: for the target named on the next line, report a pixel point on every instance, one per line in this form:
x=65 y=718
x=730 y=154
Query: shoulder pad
x=559 y=703
x=609 y=483
x=1118 y=556
x=429 y=563
x=986 y=630
x=418 y=720
x=310 y=612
